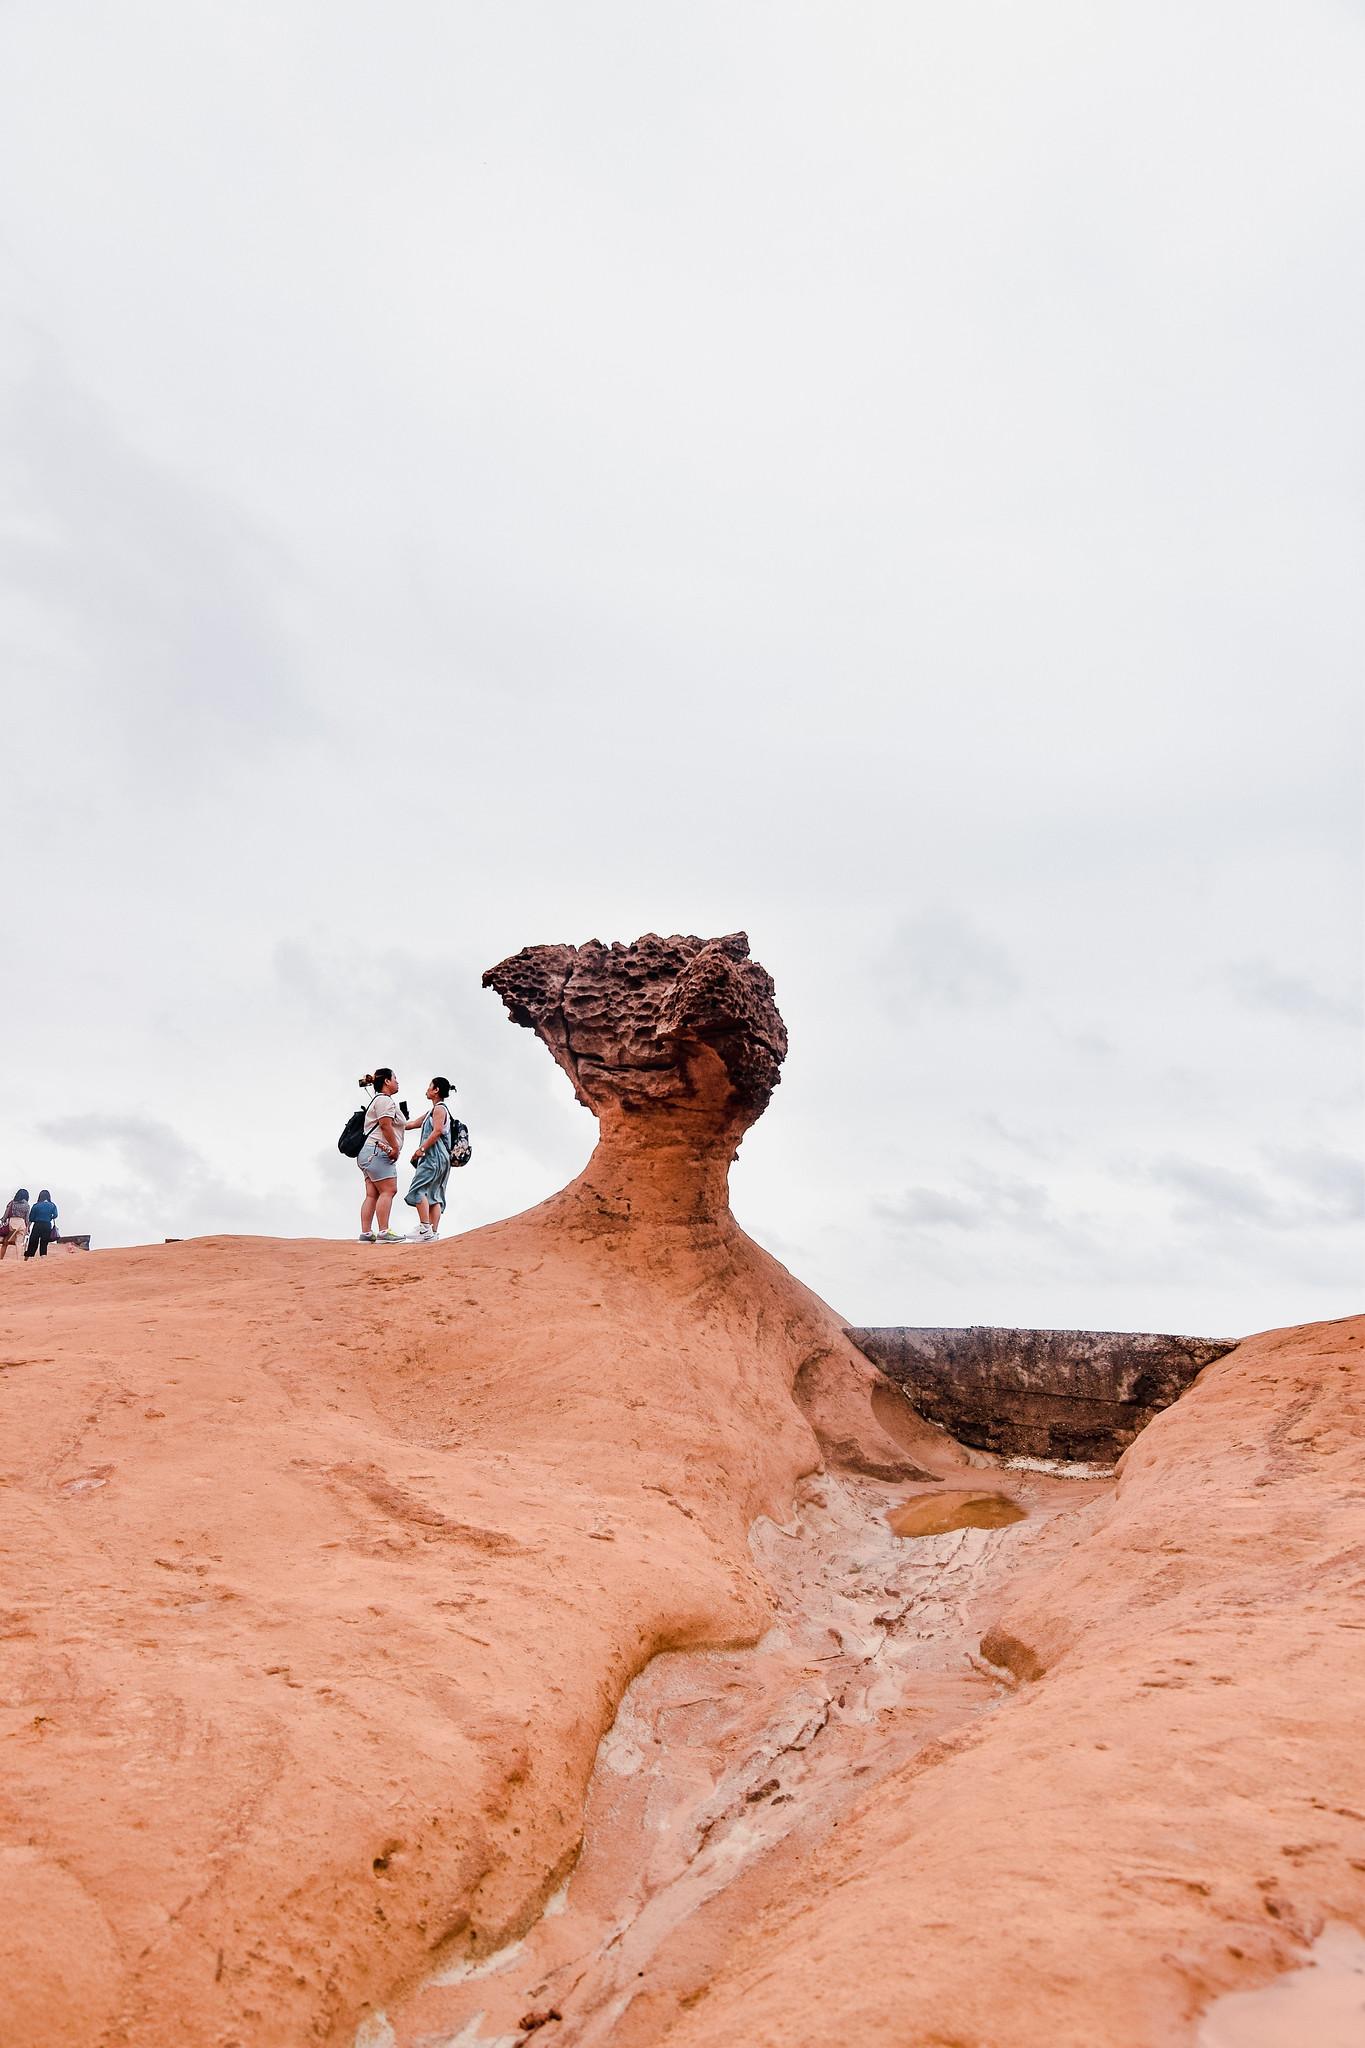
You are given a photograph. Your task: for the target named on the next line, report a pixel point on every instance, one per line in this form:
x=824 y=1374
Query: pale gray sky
x=885 y=477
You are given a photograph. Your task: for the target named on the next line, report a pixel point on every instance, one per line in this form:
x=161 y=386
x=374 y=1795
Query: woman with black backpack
x=379 y=1156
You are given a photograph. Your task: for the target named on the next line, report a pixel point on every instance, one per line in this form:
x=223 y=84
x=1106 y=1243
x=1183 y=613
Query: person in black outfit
x=41 y=1218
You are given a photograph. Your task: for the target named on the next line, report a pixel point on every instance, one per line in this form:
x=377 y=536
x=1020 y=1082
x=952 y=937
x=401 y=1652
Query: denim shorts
x=375 y=1163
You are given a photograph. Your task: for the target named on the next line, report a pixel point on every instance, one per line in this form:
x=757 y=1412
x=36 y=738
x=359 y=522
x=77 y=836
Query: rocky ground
x=508 y=1640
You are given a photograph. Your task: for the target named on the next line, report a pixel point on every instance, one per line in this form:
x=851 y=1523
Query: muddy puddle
x=723 y=1768
x=936 y=1514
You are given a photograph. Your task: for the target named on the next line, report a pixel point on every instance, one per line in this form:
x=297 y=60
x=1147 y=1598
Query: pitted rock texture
x=632 y=1024
x=1072 y=1394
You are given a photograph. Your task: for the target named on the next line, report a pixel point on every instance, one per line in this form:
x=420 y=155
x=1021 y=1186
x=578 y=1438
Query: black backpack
x=461 y=1151
x=352 y=1134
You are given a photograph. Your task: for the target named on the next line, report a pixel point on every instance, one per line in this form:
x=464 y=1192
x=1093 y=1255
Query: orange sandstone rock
x=1168 y=1808
x=326 y=1565
x=325 y=1569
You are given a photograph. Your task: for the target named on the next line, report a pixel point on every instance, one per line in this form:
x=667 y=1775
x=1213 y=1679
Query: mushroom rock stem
x=675 y=1044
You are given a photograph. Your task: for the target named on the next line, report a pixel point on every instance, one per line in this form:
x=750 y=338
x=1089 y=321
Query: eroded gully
x=722 y=1768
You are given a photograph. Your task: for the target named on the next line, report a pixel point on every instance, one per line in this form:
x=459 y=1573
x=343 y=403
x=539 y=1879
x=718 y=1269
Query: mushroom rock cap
x=659 y=1024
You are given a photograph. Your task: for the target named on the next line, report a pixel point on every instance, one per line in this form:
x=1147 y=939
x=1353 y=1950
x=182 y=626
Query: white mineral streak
x=465 y=1973
x=717 y=1758
x=374 y=2032
x=1060 y=1468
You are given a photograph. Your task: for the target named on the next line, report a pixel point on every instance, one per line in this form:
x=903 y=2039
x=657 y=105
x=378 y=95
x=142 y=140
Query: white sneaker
x=420 y=1235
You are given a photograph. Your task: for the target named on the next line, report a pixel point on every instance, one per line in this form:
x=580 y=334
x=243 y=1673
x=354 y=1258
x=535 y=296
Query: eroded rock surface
x=327 y=1569
x=724 y=1770
x=1073 y=1394
x=325 y=1566
x=636 y=1026
x=1167 y=1808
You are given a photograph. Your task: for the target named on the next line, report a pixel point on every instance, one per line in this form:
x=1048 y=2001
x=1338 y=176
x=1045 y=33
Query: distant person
x=427 y=1190
x=14 y=1221
x=41 y=1217
x=379 y=1156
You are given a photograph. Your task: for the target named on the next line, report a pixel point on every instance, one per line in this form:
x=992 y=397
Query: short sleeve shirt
x=382 y=1106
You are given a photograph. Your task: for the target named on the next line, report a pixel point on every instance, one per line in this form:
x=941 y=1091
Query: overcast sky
x=881 y=476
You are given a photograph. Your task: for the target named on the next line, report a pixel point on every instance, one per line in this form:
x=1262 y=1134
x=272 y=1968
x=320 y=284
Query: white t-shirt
x=382 y=1106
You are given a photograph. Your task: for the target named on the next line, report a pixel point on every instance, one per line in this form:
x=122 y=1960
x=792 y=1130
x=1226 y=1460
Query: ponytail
x=376 y=1080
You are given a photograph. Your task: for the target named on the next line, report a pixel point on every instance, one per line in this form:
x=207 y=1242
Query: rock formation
x=325 y=1567
x=1073 y=1394
x=676 y=1045
x=1167 y=1808
x=340 y=1583
x=641 y=1027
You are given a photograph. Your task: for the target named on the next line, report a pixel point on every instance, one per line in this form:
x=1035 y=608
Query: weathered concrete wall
x=1074 y=1394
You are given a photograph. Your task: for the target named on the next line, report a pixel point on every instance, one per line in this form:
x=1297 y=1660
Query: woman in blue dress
x=427 y=1189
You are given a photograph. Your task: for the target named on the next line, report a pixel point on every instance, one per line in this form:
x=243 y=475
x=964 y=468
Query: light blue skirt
x=429 y=1177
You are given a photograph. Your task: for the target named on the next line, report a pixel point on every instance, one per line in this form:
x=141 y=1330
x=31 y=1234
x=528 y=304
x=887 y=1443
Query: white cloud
x=941 y=959
x=1324 y=1190
x=154 y=608
x=986 y=1199
x=1262 y=985
x=151 y=1182
x=1334 y=1180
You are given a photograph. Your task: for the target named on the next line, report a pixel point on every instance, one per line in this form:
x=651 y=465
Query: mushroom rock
x=629 y=1024
x=348 y=1555
x=676 y=1045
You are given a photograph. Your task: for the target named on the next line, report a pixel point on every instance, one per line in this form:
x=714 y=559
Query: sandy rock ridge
x=328 y=1569
x=1168 y=1806
x=325 y=1566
